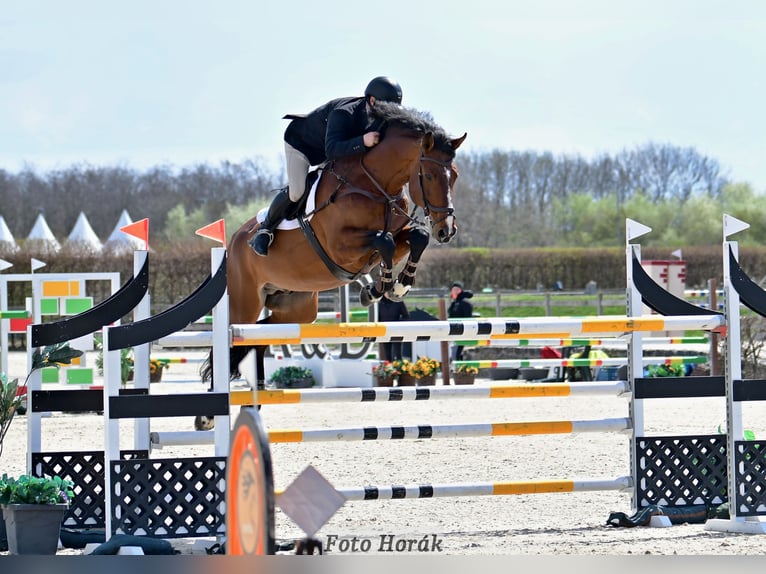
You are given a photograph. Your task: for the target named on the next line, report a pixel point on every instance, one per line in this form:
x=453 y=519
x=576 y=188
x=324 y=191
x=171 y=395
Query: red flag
x=215 y=231
x=139 y=229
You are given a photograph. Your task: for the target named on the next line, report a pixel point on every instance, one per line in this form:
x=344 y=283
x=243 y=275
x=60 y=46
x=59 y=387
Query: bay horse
x=362 y=219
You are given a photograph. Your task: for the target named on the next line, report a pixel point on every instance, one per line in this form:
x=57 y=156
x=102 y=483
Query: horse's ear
x=428 y=142
x=455 y=143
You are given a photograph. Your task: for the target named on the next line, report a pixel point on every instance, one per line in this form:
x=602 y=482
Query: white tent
x=6 y=237
x=43 y=234
x=121 y=240
x=83 y=235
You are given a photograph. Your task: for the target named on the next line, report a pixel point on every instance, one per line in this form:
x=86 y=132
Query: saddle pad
x=288 y=224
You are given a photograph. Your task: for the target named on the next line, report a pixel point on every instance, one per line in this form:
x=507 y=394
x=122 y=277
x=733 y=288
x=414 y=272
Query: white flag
x=5 y=265
x=732 y=225
x=634 y=229
x=677 y=253
x=37 y=264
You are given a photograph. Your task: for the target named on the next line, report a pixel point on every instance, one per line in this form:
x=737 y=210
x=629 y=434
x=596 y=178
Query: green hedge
x=177 y=269
x=527 y=269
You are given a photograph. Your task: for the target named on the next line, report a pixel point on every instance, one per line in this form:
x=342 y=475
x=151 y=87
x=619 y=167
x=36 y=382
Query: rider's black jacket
x=331 y=131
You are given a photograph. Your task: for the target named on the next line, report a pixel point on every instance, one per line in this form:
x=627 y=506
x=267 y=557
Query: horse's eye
x=429 y=177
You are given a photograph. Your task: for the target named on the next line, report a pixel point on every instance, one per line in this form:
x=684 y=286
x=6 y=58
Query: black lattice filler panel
x=86 y=470
x=681 y=471
x=169 y=498
x=750 y=462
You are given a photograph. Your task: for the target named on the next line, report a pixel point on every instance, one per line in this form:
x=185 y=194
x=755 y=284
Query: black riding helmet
x=384 y=89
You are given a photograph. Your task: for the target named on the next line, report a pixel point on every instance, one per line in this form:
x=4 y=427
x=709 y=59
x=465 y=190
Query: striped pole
x=579 y=362
x=288 y=334
x=494 y=331
x=179 y=360
x=395 y=394
x=396 y=492
x=186 y=438
x=449 y=431
x=581 y=342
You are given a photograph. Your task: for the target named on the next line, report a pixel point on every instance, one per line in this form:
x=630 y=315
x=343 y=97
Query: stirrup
x=258 y=244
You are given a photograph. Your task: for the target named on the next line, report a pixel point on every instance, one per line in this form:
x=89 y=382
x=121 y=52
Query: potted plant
x=292 y=377
x=465 y=374
x=404 y=376
x=156 y=367
x=422 y=372
x=34 y=508
x=385 y=374
x=11 y=402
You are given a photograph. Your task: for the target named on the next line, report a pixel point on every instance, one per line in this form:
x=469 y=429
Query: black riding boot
x=280 y=206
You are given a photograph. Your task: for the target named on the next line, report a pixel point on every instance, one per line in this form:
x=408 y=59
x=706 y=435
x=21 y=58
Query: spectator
x=389 y=311
x=460 y=307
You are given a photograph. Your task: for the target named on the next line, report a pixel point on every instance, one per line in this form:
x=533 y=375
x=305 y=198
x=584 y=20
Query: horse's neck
x=392 y=161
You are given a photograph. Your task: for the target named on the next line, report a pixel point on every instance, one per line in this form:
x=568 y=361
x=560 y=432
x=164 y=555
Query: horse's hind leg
x=385 y=245
x=418 y=241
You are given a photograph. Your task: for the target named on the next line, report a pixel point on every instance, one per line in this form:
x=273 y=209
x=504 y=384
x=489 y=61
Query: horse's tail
x=206 y=369
x=236 y=354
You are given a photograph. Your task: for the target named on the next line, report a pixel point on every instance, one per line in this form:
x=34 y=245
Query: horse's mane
x=411 y=119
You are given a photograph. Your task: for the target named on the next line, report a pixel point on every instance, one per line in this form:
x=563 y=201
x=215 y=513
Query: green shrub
x=28 y=489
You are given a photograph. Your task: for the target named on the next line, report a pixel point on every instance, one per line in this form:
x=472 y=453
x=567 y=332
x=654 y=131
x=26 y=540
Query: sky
x=170 y=82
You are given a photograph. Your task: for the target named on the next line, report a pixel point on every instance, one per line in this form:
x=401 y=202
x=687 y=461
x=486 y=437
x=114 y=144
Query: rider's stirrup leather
x=261 y=241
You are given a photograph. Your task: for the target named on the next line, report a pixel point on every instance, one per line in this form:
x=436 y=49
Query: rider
x=337 y=129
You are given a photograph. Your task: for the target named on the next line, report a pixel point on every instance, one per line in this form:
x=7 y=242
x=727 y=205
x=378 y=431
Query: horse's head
x=433 y=180
x=432 y=172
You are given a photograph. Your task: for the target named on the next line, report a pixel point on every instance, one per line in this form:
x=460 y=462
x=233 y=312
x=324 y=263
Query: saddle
x=300 y=207
x=305 y=205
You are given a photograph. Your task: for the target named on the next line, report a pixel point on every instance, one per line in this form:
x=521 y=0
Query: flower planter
x=33 y=528
x=156 y=375
x=303 y=383
x=385 y=381
x=406 y=380
x=463 y=378
x=427 y=381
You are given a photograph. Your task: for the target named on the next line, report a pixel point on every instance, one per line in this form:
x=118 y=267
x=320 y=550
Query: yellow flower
x=155 y=364
x=423 y=367
x=467 y=369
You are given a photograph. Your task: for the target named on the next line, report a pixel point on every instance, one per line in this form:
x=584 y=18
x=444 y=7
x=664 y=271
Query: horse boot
x=281 y=206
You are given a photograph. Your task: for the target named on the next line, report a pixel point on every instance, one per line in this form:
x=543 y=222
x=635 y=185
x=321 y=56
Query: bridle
x=427 y=207
x=393 y=200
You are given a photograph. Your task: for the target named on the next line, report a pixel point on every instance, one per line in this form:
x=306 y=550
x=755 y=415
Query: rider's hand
x=371 y=139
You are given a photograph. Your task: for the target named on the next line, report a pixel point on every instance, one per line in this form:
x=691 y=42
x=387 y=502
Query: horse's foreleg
x=418 y=241
x=385 y=245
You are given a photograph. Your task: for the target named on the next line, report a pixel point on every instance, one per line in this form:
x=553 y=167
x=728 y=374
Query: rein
x=382 y=196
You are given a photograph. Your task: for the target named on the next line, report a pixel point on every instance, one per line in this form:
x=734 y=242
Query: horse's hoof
x=202 y=422
x=399 y=291
x=366 y=298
